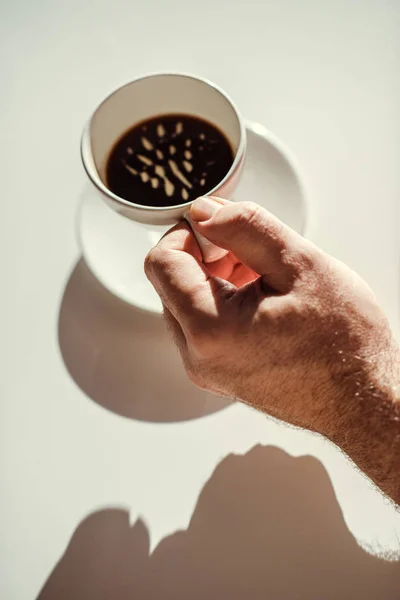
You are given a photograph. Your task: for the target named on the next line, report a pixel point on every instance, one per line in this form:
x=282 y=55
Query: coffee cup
x=147 y=97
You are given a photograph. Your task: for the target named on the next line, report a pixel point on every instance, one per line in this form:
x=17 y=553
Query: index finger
x=174 y=267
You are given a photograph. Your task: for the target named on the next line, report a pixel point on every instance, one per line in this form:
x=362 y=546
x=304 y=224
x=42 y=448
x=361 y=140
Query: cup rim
x=94 y=177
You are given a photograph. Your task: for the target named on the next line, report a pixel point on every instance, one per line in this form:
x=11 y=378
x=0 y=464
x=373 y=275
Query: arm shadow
x=266 y=526
x=123 y=358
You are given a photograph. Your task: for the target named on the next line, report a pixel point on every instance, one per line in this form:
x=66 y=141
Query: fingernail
x=203 y=209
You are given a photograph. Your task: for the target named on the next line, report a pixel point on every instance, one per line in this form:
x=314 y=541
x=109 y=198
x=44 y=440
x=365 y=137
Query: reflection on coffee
x=168 y=160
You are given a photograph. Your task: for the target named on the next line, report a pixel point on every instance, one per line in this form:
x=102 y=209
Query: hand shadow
x=266 y=525
x=124 y=358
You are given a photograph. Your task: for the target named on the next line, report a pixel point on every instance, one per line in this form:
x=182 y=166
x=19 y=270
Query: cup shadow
x=266 y=525
x=123 y=358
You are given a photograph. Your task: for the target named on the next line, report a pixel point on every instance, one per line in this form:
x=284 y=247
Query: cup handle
x=210 y=251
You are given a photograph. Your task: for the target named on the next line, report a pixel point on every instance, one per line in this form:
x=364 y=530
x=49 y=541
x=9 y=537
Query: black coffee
x=168 y=160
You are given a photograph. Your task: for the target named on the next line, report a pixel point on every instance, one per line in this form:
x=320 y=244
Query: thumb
x=257 y=238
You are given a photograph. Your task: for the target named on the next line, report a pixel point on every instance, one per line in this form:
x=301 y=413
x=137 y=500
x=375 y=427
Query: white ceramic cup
x=147 y=97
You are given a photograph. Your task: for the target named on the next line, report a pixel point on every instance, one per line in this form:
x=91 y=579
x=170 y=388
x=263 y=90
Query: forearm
x=368 y=428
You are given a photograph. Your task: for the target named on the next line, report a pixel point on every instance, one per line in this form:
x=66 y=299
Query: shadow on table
x=123 y=358
x=266 y=525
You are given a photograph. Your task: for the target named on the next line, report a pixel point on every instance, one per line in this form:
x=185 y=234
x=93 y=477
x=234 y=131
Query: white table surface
x=324 y=77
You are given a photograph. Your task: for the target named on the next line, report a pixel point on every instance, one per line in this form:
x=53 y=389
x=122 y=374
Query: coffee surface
x=168 y=160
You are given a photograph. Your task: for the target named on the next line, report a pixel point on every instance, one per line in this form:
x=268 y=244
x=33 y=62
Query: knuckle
x=155 y=260
x=247 y=212
x=150 y=260
x=301 y=260
x=305 y=260
x=307 y=256
x=255 y=216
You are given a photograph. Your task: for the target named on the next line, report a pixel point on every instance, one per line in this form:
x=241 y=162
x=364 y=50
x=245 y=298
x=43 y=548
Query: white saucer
x=114 y=247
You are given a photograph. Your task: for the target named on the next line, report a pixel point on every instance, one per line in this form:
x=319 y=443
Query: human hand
x=276 y=323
